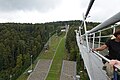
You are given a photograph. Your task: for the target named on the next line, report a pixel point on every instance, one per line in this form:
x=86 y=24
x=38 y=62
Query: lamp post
x=77 y=77
x=29 y=71
x=31 y=61
x=49 y=38
x=10 y=76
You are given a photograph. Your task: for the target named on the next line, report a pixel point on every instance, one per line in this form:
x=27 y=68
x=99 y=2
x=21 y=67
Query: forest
x=20 y=41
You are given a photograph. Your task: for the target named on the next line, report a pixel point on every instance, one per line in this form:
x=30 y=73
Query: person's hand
x=114 y=62
x=93 y=50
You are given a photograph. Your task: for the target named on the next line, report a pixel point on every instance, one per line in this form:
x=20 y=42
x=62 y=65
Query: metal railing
x=107 y=23
x=93 y=32
x=98 y=29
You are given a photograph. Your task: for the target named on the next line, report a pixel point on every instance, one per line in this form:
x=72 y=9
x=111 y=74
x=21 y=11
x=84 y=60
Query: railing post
x=80 y=34
x=31 y=61
x=113 y=29
x=86 y=35
x=99 y=39
x=80 y=30
x=93 y=41
x=89 y=40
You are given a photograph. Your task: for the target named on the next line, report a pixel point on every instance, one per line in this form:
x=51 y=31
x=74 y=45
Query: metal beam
x=107 y=23
x=89 y=7
x=88 y=10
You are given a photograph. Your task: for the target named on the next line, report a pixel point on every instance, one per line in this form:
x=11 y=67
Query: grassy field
x=55 y=70
x=54 y=40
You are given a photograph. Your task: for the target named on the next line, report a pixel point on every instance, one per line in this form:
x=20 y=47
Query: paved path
x=93 y=63
x=41 y=70
x=68 y=70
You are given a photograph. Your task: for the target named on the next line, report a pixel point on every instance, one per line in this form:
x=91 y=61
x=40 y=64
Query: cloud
x=103 y=9
x=40 y=5
x=35 y=11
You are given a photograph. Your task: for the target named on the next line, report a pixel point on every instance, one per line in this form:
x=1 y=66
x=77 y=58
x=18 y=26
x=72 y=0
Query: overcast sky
x=40 y=11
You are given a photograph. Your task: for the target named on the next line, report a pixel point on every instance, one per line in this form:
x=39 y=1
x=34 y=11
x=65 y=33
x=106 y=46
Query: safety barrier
x=91 y=34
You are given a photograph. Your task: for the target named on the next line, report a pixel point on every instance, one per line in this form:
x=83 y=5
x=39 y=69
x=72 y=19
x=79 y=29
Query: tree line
x=18 y=42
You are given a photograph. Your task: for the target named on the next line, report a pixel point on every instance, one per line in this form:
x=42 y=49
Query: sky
x=41 y=11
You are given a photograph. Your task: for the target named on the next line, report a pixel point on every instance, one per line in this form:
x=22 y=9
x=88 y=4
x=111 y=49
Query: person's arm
x=100 y=48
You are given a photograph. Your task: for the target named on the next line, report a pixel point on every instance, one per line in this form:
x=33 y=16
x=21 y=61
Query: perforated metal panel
x=92 y=62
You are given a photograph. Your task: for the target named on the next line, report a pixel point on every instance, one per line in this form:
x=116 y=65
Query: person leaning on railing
x=113 y=45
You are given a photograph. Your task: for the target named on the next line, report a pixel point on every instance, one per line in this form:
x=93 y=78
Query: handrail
x=106 y=59
x=110 y=21
x=107 y=28
x=101 y=36
x=104 y=29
